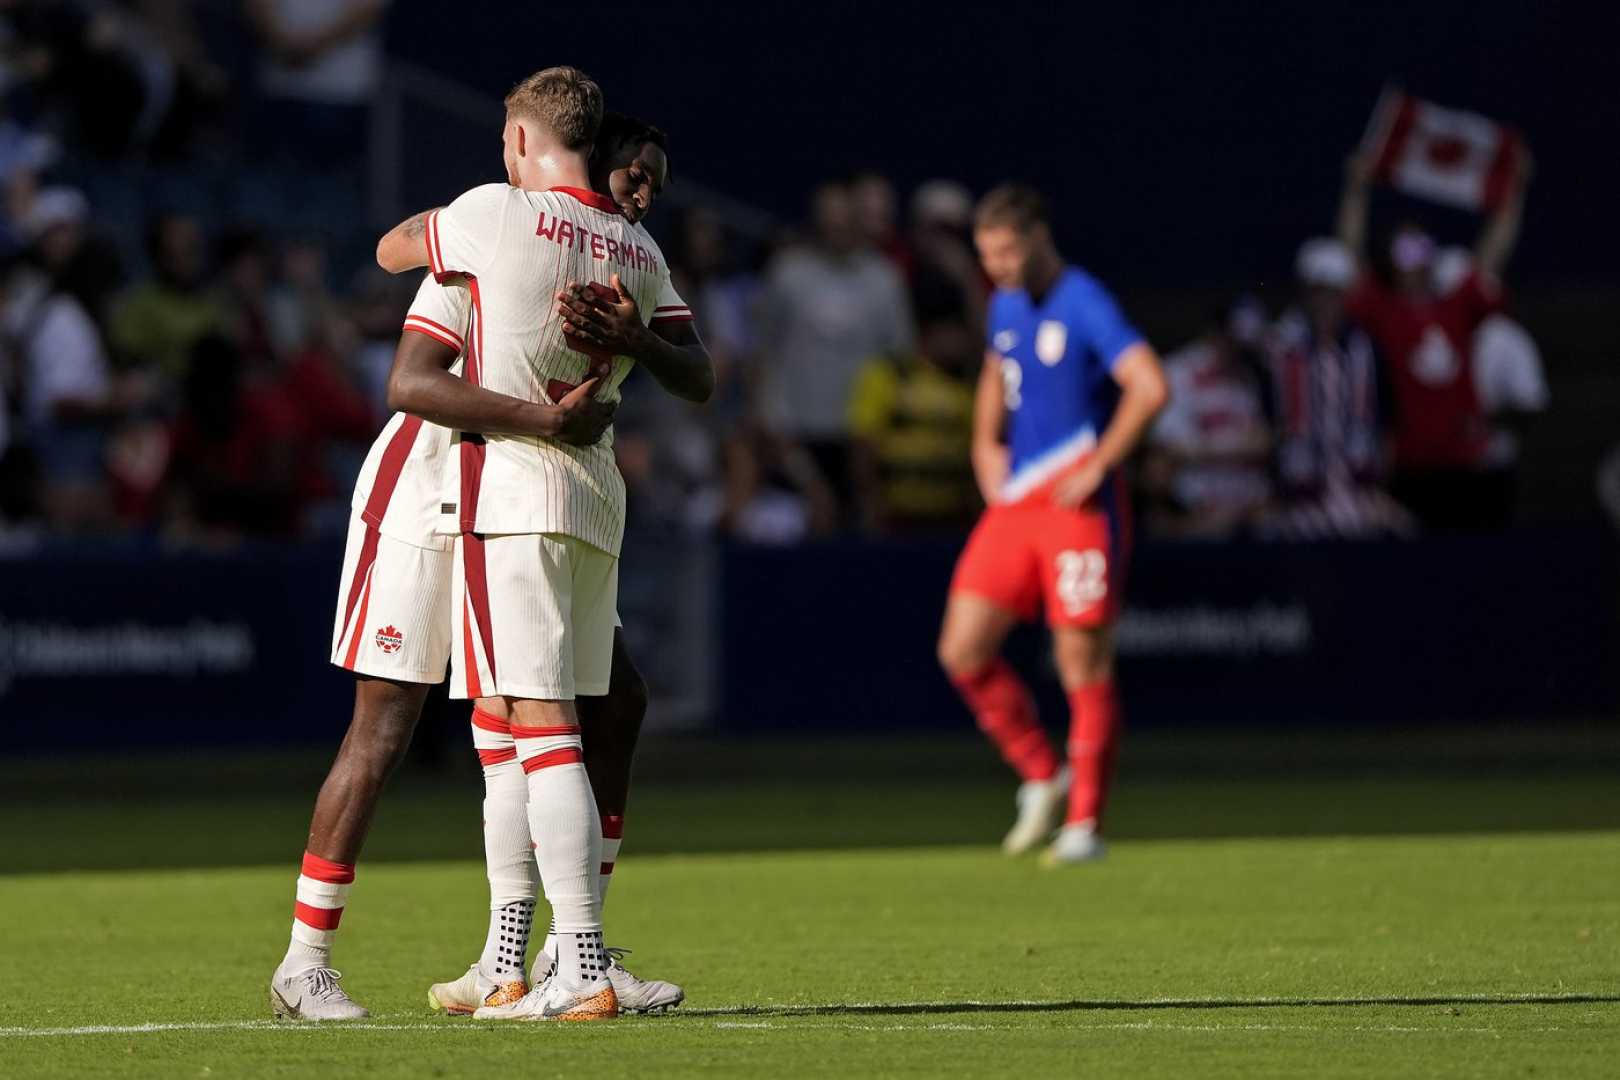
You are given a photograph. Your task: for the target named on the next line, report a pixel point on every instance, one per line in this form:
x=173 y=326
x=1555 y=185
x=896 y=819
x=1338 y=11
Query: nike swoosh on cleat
x=291 y=1007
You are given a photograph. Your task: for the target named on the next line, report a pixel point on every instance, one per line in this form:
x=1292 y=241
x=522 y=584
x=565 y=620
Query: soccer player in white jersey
x=538 y=523
x=398 y=571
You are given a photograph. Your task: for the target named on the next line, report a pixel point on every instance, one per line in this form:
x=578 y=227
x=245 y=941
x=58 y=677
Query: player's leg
x=1083 y=582
x=392 y=632
x=612 y=725
x=529 y=622
x=500 y=975
x=995 y=584
x=1085 y=664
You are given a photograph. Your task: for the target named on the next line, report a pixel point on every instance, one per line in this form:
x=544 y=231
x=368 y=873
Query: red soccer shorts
x=1023 y=555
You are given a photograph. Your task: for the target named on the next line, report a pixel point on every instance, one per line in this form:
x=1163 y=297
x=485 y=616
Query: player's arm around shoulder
x=448 y=239
x=404 y=247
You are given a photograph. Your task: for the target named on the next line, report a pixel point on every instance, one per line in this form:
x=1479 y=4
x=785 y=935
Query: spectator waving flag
x=1445 y=155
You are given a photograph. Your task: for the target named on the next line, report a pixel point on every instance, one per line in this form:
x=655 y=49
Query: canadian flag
x=1446 y=155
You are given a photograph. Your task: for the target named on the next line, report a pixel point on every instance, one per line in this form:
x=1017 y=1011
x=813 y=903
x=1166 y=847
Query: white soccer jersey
x=517 y=249
x=401 y=482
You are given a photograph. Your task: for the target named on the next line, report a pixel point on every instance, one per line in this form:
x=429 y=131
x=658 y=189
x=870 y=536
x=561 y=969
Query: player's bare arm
x=989 y=452
x=1144 y=392
x=672 y=352
x=420 y=383
x=404 y=247
x=1352 y=223
x=1501 y=233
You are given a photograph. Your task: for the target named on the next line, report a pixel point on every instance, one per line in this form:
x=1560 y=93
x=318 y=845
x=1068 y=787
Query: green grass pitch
x=1340 y=922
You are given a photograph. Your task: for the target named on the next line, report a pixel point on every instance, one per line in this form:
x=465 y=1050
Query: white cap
x=1326 y=262
x=942 y=202
x=54 y=206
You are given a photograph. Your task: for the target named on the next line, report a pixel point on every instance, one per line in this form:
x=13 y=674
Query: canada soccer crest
x=389 y=639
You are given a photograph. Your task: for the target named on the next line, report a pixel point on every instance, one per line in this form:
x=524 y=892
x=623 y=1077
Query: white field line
x=836 y=1017
x=724 y=1025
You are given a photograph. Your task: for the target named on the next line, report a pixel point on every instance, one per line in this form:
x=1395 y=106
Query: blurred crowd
x=220 y=381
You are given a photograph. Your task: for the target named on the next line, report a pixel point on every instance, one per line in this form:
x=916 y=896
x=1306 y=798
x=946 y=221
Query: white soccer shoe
x=553 y=1001
x=1040 y=807
x=312 y=995
x=473 y=990
x=1076 y=843
x=638 y=995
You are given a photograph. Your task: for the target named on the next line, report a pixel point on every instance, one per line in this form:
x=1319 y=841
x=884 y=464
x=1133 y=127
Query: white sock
x=323 y=892
x=568 y=846
x=612 y=838
x=508 y=851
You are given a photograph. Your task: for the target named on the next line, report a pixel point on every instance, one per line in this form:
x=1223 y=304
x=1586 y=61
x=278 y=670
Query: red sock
x=1093 y=738
x=1006 y=713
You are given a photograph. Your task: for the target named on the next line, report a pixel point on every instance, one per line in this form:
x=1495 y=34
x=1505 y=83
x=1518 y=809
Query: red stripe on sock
x=318 y=918
x=490 y=722
x=333 y=873
x=544 y=732
x=498 y=756
x=567 y=755
x=607 y=869
x=613 y=826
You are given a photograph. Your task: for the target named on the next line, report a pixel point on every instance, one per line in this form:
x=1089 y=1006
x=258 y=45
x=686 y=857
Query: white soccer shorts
x=393 y=607
x=532 y=617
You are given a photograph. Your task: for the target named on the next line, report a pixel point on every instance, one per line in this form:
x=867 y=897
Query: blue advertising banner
x=1428 y=632
x=104 y=648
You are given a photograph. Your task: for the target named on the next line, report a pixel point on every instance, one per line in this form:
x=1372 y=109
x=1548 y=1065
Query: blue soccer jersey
x=1057 y=360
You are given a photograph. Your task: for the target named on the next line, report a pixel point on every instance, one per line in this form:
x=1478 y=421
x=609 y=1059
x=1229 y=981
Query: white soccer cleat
x=1040 y=807
x=312 y=995
x=473 y=990
x=638 y=995
x=553 y=1001
x=1076 y=843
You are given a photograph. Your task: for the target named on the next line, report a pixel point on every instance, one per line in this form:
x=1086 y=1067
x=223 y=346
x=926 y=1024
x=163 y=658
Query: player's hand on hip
x=601 y=315
x=580 y=419
x=1076 y=488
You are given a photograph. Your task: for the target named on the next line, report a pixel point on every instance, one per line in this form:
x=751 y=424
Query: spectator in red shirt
x=1441 y=430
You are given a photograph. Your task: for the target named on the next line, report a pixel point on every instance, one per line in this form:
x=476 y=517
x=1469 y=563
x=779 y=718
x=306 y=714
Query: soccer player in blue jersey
x=1067 y=390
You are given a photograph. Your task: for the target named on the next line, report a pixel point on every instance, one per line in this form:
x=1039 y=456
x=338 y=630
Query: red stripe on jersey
x=567 y=755
x=612 y=827
x=671 y=307
x=435 y=335
x=333 y=873
x=490 y=722
x=435 y=260
x=544 y=732
x=317 y=917
x=388 y=470
x=669 y=318
x=365 y=602
x=424 y=325
x=475 y=356
x=589 y=198
x=498 y=756
x=472 y=558
x=469 y=662
x=362 y=574
x=472 y=446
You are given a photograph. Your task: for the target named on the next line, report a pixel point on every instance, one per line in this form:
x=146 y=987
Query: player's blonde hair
x=564 y=100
